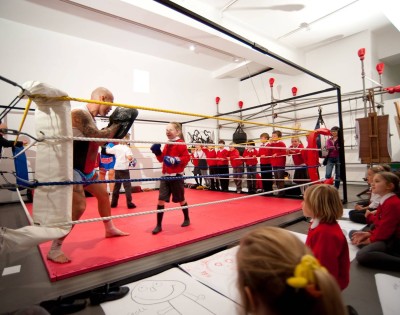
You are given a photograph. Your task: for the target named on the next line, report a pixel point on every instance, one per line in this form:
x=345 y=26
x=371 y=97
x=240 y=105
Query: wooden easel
x=373 y=136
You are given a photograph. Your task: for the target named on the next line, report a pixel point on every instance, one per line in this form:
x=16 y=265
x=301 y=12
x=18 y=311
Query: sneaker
x=131 y=206
x=99 y=296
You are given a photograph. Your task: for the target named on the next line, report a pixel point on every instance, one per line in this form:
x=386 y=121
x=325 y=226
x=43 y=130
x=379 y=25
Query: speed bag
x=240 y=137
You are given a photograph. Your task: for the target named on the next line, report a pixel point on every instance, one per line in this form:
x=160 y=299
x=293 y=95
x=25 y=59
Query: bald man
x=85 y=155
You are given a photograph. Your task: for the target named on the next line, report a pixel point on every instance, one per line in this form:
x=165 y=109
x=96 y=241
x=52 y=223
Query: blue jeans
x=333 y=162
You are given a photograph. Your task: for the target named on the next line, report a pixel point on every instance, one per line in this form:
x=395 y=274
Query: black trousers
x=266 y=175
x=122 y=174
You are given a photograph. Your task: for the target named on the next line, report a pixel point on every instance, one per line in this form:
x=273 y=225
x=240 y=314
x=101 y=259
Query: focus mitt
x=123 y=117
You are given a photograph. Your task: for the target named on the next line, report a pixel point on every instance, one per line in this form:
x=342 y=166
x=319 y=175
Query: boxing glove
x=171 y=160
x=156 y=149
x=124 y=117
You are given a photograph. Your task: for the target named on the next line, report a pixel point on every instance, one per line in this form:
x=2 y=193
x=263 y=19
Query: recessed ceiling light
x=192 y=47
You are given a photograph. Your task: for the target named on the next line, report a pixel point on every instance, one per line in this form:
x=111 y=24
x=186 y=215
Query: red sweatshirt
x=234 y=157
x=278 y=148
x=211 y=156
x=250 y=156
x=174 y=150
x=223 y=154
x=296 y=154
x=387 y=220
x=330 y=247
x=264 y=150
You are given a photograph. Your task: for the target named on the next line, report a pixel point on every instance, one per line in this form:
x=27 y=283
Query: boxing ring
x=51 y=208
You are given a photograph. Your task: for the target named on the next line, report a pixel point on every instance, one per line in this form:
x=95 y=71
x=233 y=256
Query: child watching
x=278 y=160
x=264 y=152
x=358 y=214
x=325 y=237
x=123 y=155
x=250 y=159
x=223 y=166
x=380 y=247
x=237 y=166
x=277 y=274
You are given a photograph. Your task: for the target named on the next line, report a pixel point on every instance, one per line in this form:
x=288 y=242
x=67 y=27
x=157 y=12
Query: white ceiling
x=286 y=28
x=300 y=24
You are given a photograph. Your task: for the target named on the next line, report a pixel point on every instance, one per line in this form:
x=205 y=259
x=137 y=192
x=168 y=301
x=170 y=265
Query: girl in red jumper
x=174 y=158
x=325 y=237
x=277 y=274
x=381 y=246
x=300 y=172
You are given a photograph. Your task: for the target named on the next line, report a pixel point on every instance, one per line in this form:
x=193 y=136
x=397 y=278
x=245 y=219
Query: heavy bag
x=321 y=139
x=240 y=137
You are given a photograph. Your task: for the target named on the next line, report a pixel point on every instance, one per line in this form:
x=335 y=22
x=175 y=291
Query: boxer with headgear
x=84 y=160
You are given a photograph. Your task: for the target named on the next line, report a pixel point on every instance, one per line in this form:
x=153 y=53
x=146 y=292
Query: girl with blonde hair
x=277 y=274
x=325 y=237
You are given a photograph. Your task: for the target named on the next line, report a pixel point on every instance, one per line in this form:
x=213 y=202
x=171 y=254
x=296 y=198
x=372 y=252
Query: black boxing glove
x=124 y=117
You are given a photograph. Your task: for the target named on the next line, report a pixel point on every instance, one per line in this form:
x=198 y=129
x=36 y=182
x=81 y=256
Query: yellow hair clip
x=304 y=274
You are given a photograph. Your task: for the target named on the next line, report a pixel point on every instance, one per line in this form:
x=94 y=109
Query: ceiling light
x=192 y=47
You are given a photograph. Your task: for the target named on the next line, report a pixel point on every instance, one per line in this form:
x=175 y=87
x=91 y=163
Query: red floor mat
x=90 y=250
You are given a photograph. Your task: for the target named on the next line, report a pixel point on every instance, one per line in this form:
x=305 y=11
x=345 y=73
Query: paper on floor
x=171 y=292
x=389 y=293
x=217 y=271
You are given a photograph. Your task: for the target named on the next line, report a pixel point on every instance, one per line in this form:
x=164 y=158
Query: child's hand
x=359 y=238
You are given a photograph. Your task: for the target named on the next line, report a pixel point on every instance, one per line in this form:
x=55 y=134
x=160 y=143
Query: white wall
x=77 y=66
x=340 y=64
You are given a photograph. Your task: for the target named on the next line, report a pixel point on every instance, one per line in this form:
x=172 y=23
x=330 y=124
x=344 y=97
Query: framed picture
x=199 y=134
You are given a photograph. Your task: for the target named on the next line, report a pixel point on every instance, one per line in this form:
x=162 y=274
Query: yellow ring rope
x=67 y=98
x=28 y=105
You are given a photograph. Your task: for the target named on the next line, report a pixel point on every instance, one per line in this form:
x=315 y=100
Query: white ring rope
x=160 y=142
x=121 y=216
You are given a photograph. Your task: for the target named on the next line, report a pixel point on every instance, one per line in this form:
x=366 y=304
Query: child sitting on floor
x=277 y=274
x=325 y=237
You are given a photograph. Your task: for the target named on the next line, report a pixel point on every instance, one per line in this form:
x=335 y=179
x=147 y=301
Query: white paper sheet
x=217 y=271
x=389 y=293
x=346 y=227
x=172 y=292
x=302 y=237
x=346 y=213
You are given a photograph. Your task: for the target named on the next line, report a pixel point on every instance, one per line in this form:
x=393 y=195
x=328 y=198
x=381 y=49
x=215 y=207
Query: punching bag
x=240 y=137
x=321 y=139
